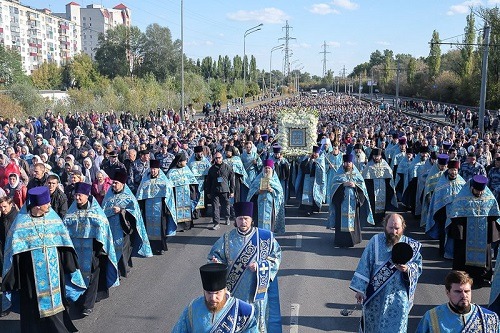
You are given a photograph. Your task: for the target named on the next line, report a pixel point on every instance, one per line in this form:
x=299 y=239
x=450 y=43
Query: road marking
x=298 y=241
x=294 y=318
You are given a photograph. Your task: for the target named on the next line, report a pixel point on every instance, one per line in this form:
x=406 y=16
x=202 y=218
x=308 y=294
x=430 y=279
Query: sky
x=351 y=29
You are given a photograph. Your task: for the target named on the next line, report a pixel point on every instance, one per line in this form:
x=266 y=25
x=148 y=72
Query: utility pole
x=324 y=52
x=484 y=77
x=182 y=61
x=287 y=39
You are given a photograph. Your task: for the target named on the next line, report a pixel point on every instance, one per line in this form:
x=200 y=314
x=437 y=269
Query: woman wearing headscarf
x=89 y=170
x=6 y=168
x=100 y=186
x=16 y=190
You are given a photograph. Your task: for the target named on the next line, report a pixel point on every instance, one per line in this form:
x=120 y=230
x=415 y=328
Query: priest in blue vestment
x=282 y=169
x=268 y=201
x=40 y=269
x=185 y=190
x=251 y=161
x=422 y=174
x=199 y=165
x=91 y=234
x=241 y=184
x=431 y=180
x=448 y=186
x=310 y=184
x=254 y=257
x=217 y=310
x=386 y=290
x=155 y=196
x=473 y=225
x=411 y=181
x=379 y=185
x=349 y=204
x=127 y=226
x=459 y=314
x=333 y=161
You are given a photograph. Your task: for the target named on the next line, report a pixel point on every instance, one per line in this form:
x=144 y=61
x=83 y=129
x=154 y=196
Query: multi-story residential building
x=96 y=20
x=42 y=36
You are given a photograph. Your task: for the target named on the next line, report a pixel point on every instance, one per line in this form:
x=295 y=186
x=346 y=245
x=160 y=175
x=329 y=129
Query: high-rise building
x=42 y=36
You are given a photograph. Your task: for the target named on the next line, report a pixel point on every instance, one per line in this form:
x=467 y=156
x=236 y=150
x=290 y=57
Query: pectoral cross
x=263 y=268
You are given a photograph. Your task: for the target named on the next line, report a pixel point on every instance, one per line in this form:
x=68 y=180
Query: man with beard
x=402 y=171
x=90 y=232
x=310 y=184
x=349 y=204
x=155 y=196
x=422 y=174
x=185 y=190
x=251 y=161
x=38 y=235
x=386 y=310
x=199 y=165
x=459 y=314
x=410 y=191
x=379 y=185
x=360 y=158
x=241 y=184
x=266 y=193
x=473 y=225
x=254 y=257
x=448 y=186
x=127 y=226
x=217 y=310
x=333 y=161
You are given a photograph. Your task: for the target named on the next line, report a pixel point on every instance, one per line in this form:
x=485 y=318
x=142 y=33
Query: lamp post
x=182 y=60
x=247 y=32
x=270 y=64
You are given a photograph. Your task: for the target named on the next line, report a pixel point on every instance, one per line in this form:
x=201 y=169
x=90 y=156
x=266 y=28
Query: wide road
x=313 y=279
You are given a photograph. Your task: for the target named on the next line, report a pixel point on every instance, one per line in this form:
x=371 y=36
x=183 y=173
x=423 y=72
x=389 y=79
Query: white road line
x=298 y=241
x=294 y=318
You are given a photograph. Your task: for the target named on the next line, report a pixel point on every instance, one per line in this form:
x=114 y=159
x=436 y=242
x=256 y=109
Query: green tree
x=47 y=76
x=28 y=97
x=467 y=50
x=161 y=55
x=81 y=72
x=411 y=70
x=434 y=58
x=11 y=68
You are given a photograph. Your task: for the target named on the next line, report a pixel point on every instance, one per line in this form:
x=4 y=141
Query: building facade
x=42 y=36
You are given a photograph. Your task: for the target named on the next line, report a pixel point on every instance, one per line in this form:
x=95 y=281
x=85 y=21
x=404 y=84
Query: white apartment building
x=40 y=35
x=96 y=20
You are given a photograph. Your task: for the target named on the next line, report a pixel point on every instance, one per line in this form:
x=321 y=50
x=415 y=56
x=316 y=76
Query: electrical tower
x=324 y=52
x=287 y=39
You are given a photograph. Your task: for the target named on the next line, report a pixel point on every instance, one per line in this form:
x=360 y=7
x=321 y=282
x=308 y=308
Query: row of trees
x=136 y=71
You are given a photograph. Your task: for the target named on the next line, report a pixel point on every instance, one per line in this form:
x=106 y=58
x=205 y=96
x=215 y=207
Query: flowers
x=297 y=118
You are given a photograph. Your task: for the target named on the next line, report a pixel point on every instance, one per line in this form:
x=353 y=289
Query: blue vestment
x=155 y=192
x=442 y=319
x=332 y=164
x=41 y=236
x=422 y=175
x=200 y=170
x=389 y=293
x=126 y=200
x=270 y=206
x=380 y=186
x=235 y=317
x=312 y=190
x=431 y=181
x=183 y=178
x=85 y=225
x=251 y=168
x=241 y=179
x=238 y=251
x=351 y=202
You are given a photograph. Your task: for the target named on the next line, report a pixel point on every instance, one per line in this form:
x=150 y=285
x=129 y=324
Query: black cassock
x=346 y=238
x=458 y=231
x=21 y=278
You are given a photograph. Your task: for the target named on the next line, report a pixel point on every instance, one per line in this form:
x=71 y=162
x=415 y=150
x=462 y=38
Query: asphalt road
x=313 y=279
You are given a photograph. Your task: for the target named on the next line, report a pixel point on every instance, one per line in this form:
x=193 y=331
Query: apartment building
x=42 y=36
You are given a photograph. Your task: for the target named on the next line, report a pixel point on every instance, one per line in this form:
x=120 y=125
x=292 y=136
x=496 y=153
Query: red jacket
x=95 y=192
x=20 y=194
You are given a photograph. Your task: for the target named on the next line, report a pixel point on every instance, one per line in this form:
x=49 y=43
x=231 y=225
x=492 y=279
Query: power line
x=287 y=39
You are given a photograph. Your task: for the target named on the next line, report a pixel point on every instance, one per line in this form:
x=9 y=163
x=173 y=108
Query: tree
x=118 y=51
x=81 y=72
x=434 y=58
x=27 y=96
x=237 y=68
x=11 y=67
x=161 y=55
x=411 y=70
x=467 y=50
x=48 y=76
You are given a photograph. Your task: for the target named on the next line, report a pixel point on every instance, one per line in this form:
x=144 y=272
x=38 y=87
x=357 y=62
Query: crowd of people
x=95 y=190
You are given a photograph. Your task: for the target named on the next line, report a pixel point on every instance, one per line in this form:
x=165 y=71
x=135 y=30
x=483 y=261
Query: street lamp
x=247 y=32
x=270 y=63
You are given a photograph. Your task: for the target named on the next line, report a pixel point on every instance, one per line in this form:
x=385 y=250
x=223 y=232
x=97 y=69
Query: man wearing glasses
x=219 y=187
